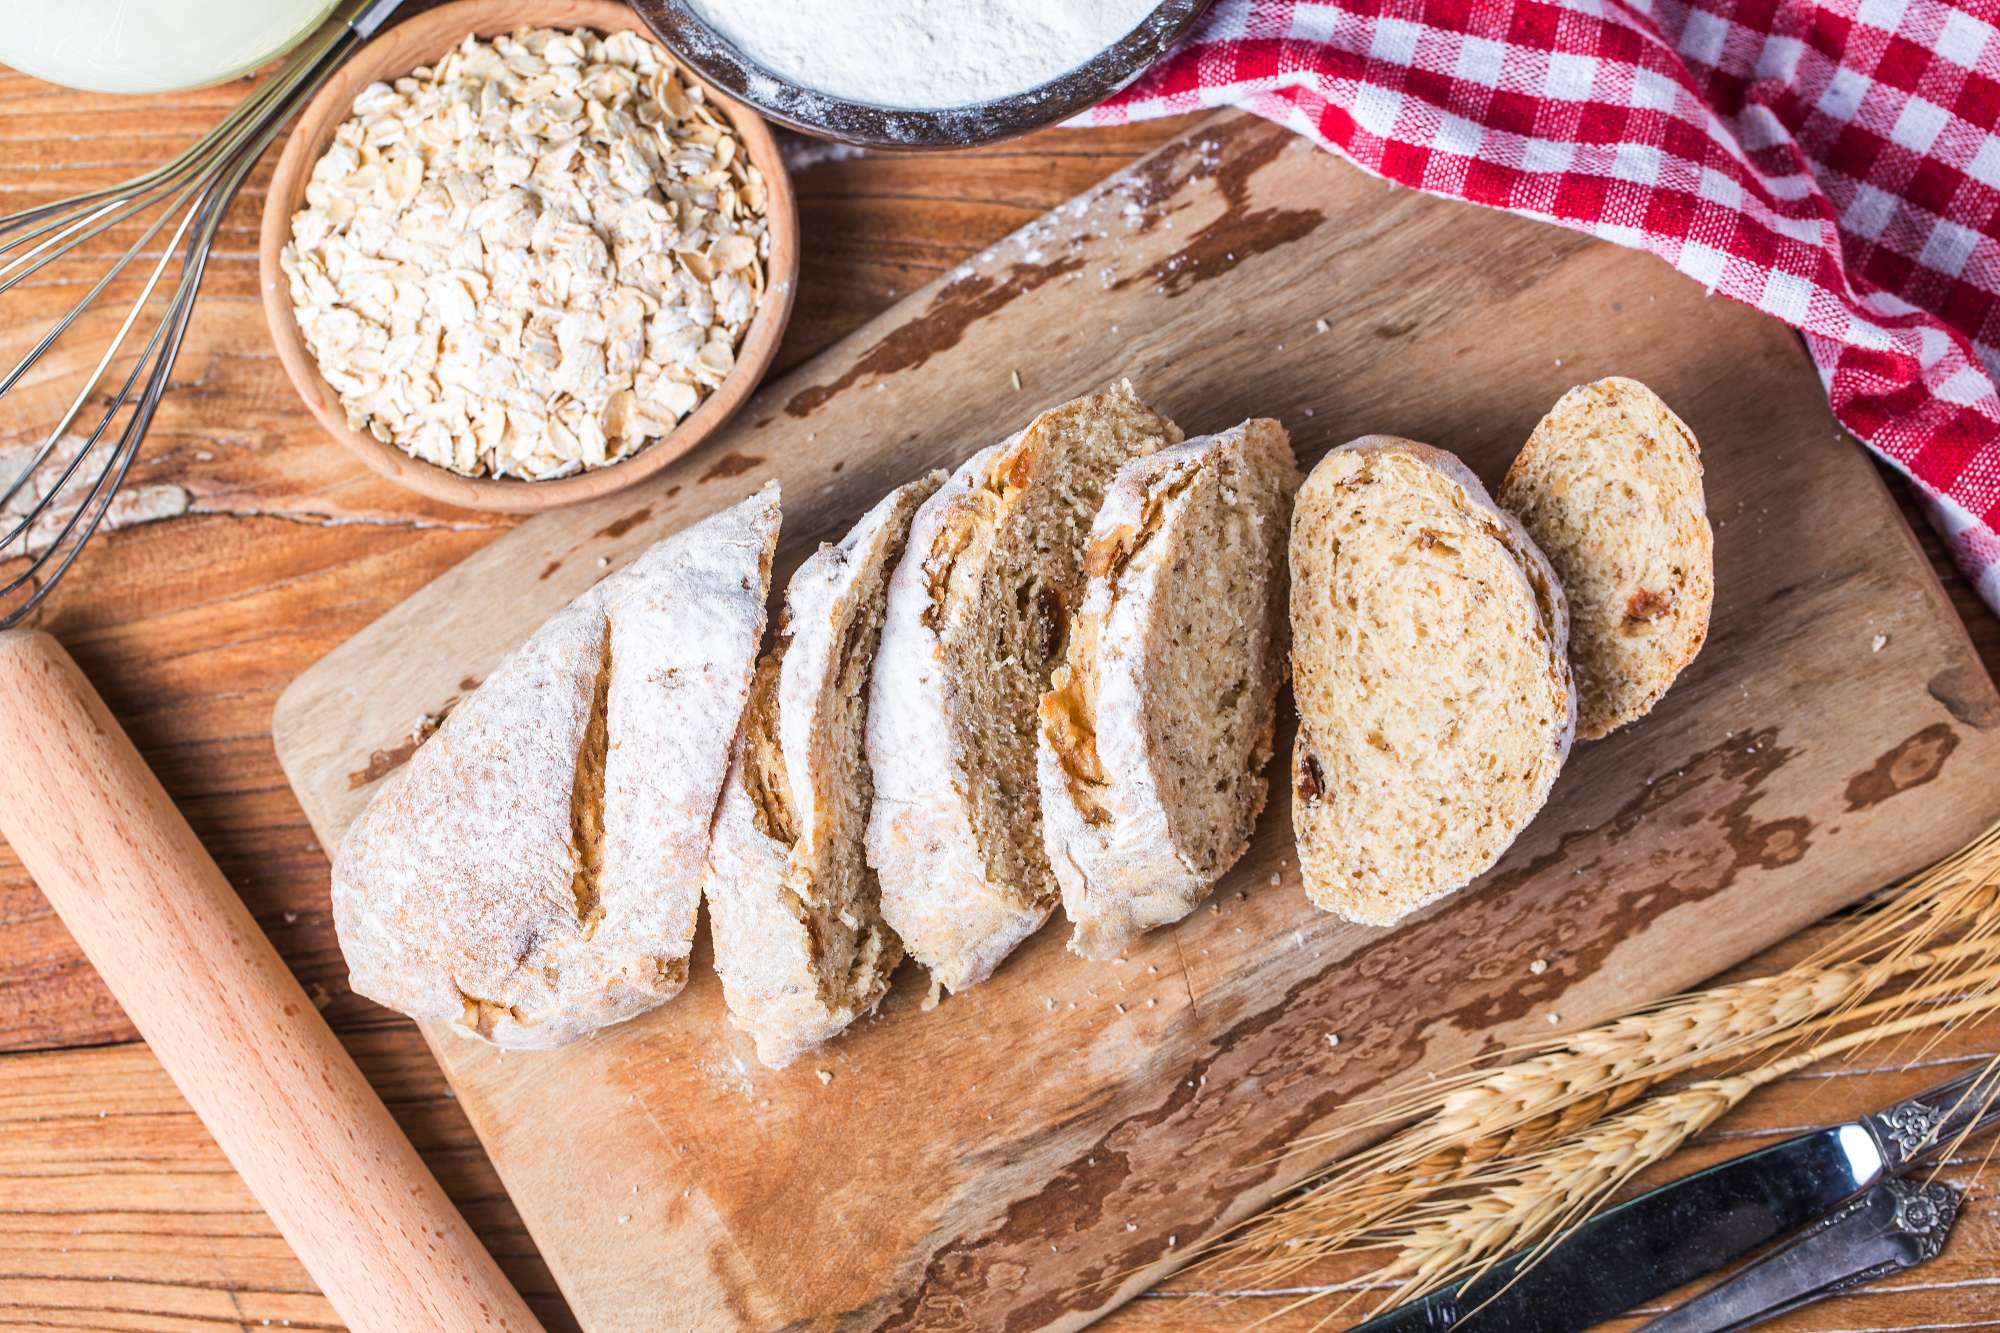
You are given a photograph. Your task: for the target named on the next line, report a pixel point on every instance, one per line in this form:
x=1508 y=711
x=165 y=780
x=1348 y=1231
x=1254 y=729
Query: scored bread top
x=1435 y=700
x=1610 y=486
x=795 y=909
x=978 y=609
x=533 y=873
x=1157 y=731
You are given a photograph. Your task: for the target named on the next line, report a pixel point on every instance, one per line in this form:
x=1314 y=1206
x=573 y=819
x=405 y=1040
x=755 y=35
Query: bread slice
x=1609 y=485
x=534 y=872
x=1156 y=735
x=978 y=610
x=1435 y=700
x=794 y=907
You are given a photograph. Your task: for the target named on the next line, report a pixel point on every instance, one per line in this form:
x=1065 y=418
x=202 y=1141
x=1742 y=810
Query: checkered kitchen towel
x=1832 y=162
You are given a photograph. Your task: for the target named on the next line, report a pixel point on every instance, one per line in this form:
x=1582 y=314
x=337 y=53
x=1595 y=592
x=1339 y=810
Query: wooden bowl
x=422 y=40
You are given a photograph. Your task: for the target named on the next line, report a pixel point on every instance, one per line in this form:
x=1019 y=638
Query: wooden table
x=254 y=547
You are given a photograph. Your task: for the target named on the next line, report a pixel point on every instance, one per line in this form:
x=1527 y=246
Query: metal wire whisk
x=191 y=194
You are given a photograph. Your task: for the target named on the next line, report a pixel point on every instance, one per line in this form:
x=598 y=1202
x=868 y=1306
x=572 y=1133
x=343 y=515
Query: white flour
x=921 y=54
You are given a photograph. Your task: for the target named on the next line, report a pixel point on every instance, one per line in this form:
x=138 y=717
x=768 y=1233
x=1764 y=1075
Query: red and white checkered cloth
x=1834 y=163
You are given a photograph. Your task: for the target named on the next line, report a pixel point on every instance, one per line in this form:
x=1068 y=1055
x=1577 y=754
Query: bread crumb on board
x=825 y=1076
x=1333 y=1039
x=1878 y=643
x=1539 y=966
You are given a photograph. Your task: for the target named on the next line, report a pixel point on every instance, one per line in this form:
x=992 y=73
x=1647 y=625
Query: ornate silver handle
x=1898 y=1224
x=1913 y=1128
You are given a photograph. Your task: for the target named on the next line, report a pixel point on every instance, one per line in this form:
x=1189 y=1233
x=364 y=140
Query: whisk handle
x=225 y=1016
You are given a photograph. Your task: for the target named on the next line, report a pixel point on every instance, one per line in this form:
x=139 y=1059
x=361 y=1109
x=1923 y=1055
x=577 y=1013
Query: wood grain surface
x=259 y=546
x=1043 y=1146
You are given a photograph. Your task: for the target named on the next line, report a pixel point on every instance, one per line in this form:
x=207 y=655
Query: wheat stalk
x=1483 y=1115
x=1551 y=1090
x=1551 y=1190
x=1544 y=1194
x=1382 y=1184
x=1443 y=1240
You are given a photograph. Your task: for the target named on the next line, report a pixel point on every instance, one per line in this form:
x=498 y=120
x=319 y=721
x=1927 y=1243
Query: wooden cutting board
x=1030 y=1153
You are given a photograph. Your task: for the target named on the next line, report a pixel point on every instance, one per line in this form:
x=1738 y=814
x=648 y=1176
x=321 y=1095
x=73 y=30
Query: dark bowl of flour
x=916 y=74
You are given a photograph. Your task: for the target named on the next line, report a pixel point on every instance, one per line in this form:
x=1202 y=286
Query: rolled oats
x=534 y=258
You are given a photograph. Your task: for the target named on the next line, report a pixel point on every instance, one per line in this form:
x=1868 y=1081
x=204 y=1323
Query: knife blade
x=1644 y=1249
x=1898 y=1224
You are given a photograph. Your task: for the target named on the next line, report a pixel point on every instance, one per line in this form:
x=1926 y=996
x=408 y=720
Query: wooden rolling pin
x=225 y=1016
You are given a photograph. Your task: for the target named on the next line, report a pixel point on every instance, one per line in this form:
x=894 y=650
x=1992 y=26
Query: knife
x=1644 y=1249
x=1896 y=1225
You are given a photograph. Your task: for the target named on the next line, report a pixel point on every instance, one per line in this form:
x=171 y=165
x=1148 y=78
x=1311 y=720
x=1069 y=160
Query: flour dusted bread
x=1156 y=735
x=793 y=904
x=534 y=872
x=978 y=610
x=1609 y=485
x=1435 y=700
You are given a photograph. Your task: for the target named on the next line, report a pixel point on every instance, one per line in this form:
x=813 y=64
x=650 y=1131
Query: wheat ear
x=1482 y=1115
x=1549 y=1191
x=1540 y=1196
x=1549 y=1090
x=1340 y=1215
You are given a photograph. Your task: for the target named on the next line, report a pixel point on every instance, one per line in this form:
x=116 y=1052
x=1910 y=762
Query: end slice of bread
x=1610 y=487
x=534 y=872
x=977 y=617
x=1156 y=735
x=1435 y=700
x=794 y=907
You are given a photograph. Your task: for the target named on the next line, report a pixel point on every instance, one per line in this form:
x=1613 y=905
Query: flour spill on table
x=1131 y=202
x=800 y=153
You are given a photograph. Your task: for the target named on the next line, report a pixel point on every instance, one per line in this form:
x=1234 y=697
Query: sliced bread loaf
x=794 y=907
x=534 y=872
x=1435 y=700
x=977 y=614
x=1609 y=485
x=1155 y=737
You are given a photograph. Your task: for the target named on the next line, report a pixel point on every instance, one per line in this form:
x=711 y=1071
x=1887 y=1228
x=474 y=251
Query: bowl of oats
x=518 y=256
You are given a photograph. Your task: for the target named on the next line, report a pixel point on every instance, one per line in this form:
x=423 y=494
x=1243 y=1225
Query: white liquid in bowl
x=149 y=46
